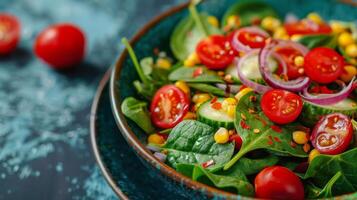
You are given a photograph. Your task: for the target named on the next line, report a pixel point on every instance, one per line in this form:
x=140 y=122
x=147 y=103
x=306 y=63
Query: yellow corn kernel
x=296 y=37
x=337 y=27
x=228 y=102
x=241 y=93
x=299 y=61
x=156 y=139
x=345 y=39
x=183 y=86
x=192 y=60
x=221 y=136
x=270 y=23
x=213 y=21
x=315 y=18
x=200 y=98
x=300 y=137
x=231 y=110
x=349 y=72
x=280 y=33
x=190 y=115
x=351 y=50
x=233 y=21
x=163 y=63
x=313 y=153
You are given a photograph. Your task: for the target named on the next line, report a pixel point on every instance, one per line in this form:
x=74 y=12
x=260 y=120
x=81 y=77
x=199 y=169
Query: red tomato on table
x=169 y=106
x=281 y=106
x=215 y=52
x=323 y=65
x=332 y=134
x=302 y=27
x=278 y=182
x=9 y=33
x=61 y=45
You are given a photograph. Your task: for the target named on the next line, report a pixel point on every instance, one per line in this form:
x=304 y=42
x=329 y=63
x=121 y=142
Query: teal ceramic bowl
x=156 y=34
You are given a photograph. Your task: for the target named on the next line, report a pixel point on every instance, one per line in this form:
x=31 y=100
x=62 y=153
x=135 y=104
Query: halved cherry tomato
x=303 y=28
x=332 y=134
x=61 y=45
x=253 y=40
x=215 y=52
x=323 y=65
x=169 y=106
x=278 y=182
x=281 y=106
x=9 y=33
x=288 y=54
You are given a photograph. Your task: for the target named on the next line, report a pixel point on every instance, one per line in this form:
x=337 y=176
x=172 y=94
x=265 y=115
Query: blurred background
x=45 y=151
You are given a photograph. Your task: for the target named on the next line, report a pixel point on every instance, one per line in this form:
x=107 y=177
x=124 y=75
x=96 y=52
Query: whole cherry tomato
x=61 y=45
x=9 y=33
x=278 y=182
x=303 y=27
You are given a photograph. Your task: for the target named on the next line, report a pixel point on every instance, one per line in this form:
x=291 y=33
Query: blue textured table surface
x=45 y=151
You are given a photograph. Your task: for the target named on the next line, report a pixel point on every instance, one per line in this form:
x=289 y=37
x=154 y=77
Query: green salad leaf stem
x=315 y=192
x=198 y=20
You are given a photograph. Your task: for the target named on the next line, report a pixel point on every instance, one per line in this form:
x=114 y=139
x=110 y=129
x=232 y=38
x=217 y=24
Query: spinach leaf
x=137 y=111
x=192 y=142
x=258 y=132
x=208 y=88
x=315 y=192
x=187 y=34
x=323 y=40
x=147 y=64
x=237 y=182
x=252 y=166
x=324 y=167
x=187 y=74
x=249 y=11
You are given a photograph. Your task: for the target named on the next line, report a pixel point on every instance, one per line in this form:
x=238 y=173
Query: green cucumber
x=251 y=69
x=213 y=117
x=311 y=113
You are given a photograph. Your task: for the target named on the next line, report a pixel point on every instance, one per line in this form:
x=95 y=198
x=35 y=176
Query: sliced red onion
x=231 y=88
x=327 y=99
x=312 y=25
x=249 y=83
x=238 y=45
x=296 y=85
x=291 y=18
x=153 y=148
x=160 y=156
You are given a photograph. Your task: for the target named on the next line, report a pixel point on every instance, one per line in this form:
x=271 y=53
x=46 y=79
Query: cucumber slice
x=311 y=113
x=213 y=117
x=251 y=69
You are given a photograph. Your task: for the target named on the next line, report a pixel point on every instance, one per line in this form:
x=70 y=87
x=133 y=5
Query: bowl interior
x=158 y=37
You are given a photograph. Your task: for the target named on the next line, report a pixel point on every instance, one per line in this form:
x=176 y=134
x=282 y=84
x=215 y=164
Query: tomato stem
x=135 y=61
x=196 y=17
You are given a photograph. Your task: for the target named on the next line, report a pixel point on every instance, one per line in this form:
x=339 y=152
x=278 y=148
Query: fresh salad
x=256 y=104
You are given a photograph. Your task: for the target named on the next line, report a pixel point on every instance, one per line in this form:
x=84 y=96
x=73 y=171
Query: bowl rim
x=130 y=136
x=93 y=137
x=135 y=143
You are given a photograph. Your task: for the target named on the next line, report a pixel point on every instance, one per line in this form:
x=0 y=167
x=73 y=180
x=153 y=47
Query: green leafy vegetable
x=187 y=74
x=249 y=11
x=324 y=40
x=147 y=64
x=187 y=34
x=315 y=192
x=208 y=88
x=136 y=110
x=323 y=168
x=250 y=166
x=269 y=136
x=192 y=142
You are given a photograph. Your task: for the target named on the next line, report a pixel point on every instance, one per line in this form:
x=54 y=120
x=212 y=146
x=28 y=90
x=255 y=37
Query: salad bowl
x=156 y=36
